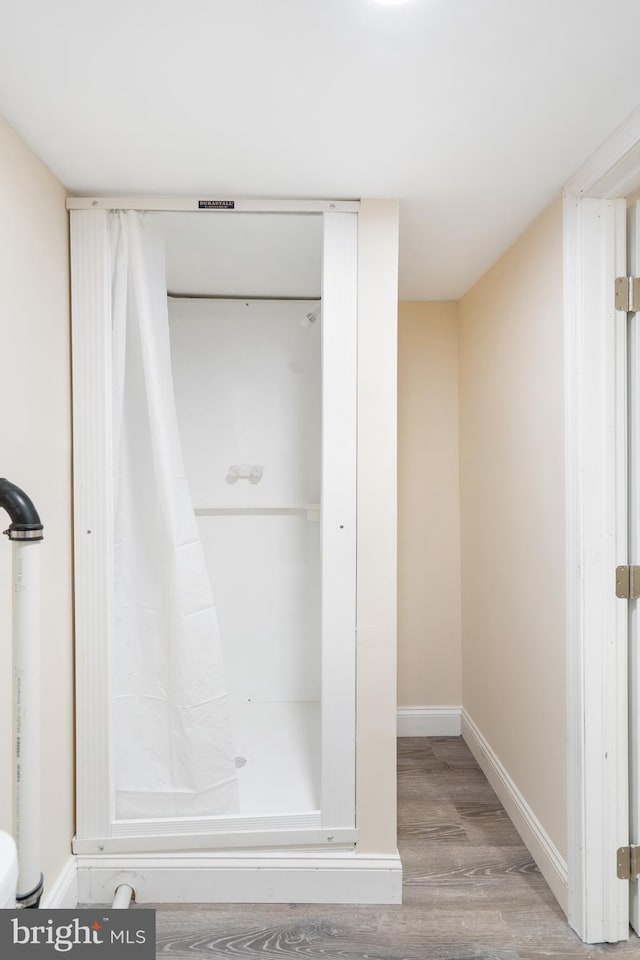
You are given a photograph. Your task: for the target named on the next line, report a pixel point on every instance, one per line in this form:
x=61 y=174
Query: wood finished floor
x=471 y=889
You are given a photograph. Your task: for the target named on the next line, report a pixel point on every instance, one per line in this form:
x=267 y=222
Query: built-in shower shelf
x=310 y=510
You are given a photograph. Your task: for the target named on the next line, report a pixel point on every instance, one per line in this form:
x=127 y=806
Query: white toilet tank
x=8 y=871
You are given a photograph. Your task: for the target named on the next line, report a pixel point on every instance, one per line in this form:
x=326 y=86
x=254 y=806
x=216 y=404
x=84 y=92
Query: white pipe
x=122 y=899
x=26 y=679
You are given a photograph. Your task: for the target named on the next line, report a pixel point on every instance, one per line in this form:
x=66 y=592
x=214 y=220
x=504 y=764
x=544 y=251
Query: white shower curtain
x=173 y=754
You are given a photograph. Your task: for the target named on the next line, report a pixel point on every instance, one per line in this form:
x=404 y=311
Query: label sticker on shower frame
x=79 y=934
x=216 y=204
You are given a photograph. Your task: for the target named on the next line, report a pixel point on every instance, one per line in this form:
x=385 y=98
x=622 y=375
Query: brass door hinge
x=628 y=582
x=627 y=294
x=628 y=863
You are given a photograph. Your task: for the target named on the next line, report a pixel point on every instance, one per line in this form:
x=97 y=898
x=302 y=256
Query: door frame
x=97 y=830
x=596 y=534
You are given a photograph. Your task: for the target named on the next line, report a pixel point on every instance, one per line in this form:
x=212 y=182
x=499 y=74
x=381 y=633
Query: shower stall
x=215 y=351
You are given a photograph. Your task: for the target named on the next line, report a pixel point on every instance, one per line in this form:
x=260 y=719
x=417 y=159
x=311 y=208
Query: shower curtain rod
x=221 y=296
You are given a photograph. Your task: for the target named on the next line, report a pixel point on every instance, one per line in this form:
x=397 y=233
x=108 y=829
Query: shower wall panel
x=247 y=377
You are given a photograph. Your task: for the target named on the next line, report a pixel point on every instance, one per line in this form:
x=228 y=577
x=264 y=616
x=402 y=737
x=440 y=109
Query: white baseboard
x=62 y=894
x=202 y=878
x=551 y=864
x=429 y=721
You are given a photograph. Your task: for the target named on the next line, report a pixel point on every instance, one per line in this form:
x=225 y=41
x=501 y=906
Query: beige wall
x=512 y=510
x=429 y=631
x=36 y=454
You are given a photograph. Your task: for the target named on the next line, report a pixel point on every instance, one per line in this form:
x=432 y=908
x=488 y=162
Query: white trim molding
x=596 y=542
x=63 y=893
x=224 y=205
x=551 y=864
x=205 y=878
x=223 y=840
x=612 y=171
x=429 y=721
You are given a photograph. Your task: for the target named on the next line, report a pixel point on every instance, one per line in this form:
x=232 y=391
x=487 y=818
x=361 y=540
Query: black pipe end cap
x=25 y=521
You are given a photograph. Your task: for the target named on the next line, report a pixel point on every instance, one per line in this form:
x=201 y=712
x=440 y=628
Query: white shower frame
x=98 y=831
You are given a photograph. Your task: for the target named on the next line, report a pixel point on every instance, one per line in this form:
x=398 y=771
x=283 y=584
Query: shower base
x=278 y=749
x=280 y=743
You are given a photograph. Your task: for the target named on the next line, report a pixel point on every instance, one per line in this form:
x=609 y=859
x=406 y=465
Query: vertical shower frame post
x=338 y=516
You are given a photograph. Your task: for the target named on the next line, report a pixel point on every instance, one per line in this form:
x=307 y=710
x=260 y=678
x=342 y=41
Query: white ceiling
x=473 y=112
